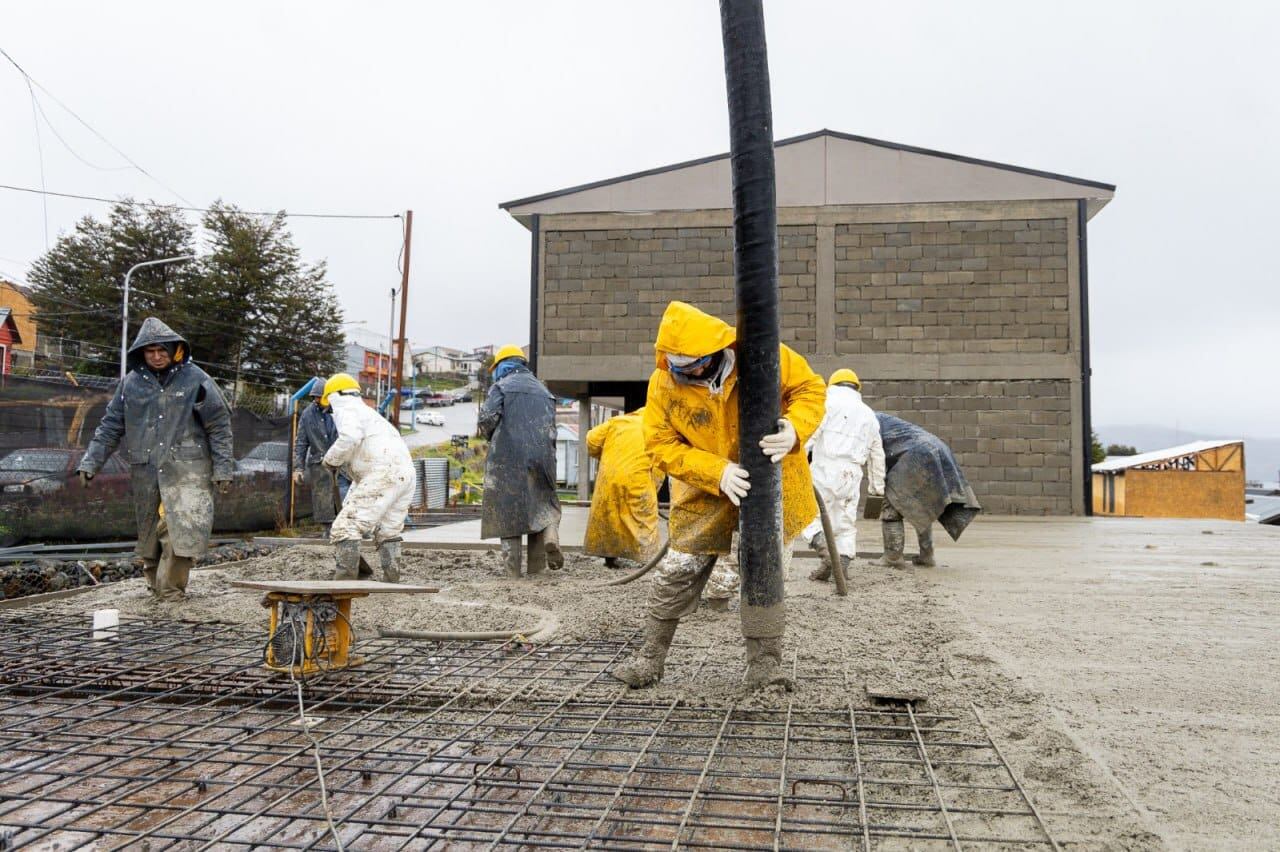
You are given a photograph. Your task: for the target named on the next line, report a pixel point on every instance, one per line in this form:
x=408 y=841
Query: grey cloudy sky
x=451 y=108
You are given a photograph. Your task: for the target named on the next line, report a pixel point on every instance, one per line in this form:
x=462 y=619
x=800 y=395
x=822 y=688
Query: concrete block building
x=957 y=288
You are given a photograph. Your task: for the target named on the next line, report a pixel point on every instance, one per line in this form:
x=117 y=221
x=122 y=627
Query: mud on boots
x=518 y=419
x=371 y=451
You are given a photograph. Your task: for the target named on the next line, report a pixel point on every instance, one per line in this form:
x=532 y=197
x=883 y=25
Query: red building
x=9 y=340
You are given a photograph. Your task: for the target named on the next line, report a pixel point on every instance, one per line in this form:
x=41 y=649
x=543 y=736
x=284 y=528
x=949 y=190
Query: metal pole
x=124 y=310
x=755 y=238
x=404 y=309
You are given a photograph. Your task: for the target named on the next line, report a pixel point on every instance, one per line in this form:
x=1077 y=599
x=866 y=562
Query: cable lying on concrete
x=642 y=570
x=833 y=552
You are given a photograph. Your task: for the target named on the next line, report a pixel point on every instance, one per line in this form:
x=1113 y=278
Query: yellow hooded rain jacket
x=691 y=433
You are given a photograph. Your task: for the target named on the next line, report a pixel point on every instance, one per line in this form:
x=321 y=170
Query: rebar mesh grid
x=174 y=735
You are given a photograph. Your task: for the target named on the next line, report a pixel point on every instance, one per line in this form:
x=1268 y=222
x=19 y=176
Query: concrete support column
x=584 y=459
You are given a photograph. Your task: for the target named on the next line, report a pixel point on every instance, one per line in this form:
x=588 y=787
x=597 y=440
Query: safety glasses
x=692 y=367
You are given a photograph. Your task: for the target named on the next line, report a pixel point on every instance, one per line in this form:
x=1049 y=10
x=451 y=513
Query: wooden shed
x=1204 y=479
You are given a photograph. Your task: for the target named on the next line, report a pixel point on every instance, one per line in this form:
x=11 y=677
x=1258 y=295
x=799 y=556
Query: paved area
x=1156 y=643
x=459 y=419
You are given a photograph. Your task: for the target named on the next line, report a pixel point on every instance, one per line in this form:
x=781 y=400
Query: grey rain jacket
x=316 y=433
x=519 y=419
x=923 y=481
x=176 y=431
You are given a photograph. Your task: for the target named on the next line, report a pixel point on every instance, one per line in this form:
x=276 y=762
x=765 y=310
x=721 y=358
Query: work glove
x=297 y=477
x=734 y=483
x=224 y=486
x=778 y=444
x=85 y=478
x=876 y=490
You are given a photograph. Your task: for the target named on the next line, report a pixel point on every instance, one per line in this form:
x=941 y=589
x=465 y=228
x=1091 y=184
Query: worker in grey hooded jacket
x=316 y=433
x=176 y=430
x=519 y=419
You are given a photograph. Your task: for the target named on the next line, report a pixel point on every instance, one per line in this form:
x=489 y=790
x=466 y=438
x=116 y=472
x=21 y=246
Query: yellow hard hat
x=844 y=374
x=508 y=351
x=338 y=382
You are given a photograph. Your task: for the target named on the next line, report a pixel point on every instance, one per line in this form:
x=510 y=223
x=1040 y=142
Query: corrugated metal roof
x=1124 y=462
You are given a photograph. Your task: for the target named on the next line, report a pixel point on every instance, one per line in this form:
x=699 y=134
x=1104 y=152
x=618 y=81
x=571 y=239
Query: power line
x=35 y=121
x=155 y=204
x=31 y=81
x=49 y=123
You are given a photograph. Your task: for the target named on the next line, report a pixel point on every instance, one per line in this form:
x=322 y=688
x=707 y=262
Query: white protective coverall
x=847 y=439
x=382 y=477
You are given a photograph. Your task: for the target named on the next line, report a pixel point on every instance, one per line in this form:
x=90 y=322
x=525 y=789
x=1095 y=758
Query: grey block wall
x=961 y=319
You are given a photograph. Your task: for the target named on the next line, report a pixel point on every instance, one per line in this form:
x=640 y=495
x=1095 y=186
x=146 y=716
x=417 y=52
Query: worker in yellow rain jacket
x=623 y=523
x=691 y=430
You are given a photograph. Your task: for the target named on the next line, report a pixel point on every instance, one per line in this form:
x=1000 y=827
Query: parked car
x=430 y=418
x=46 y=470
x=267 y=457
x=463 y=396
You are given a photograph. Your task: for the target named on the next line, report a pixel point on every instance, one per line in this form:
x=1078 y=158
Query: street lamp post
x=124 y=310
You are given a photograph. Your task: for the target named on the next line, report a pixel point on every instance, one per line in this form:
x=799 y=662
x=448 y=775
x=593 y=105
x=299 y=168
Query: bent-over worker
x=848 y=439
x=519 y=419
x=372 y=453
x=176 y=429
x=691 y=430
x=623 y=519
x=923 y=484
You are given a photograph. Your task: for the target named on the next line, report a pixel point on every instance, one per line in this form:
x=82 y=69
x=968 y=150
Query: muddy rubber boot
x=894 y=540
x=149 y=568
x=925 y=558
x=845 y=562
x=537 y=557
x=389 y=554
x=764 y=665
x=611 y=562
x=513 y=555
x=346 y=556
x=644 y=667
x=823 y=572
x=551 y=542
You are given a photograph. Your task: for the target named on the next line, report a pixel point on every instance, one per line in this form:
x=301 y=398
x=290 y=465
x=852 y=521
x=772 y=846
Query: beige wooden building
x=957 y=288
x=1200 y=480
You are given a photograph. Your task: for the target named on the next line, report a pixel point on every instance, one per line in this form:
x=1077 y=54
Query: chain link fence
x=47 y=420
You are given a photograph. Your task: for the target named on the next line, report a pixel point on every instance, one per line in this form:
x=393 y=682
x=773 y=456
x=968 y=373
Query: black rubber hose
x=833 y=553
x=642 y=570
x=755 y=251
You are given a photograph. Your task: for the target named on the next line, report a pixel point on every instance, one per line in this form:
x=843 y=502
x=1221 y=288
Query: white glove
x=778 y=444
x=875 y=491
x=734 y=483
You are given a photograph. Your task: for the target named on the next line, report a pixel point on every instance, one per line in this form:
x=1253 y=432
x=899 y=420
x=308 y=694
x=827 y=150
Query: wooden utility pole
x=404 y=312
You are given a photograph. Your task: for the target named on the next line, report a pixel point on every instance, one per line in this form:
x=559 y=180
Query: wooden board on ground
x=332 y=587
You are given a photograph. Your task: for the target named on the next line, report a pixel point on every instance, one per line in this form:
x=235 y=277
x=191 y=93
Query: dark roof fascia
x=910 y=149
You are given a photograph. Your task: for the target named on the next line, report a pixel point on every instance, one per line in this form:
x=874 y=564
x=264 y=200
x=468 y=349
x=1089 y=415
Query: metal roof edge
x=792 y=140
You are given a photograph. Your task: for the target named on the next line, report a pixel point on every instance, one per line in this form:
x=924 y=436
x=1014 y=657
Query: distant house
x=1204 y=479
x=369 y=366
x=20 y=349
x=443 y=359
x=9 y=339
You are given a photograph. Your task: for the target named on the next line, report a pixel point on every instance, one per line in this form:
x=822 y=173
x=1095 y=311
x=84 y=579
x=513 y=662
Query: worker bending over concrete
x=691 y=430
x=623 y=521
x=371 y=452
x=176 y=429
x=519 y=419
x=848 y=439
x=923 y=484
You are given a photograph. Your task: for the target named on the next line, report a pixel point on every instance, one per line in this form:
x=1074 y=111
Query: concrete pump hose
x=833 y=553
x=642 y=570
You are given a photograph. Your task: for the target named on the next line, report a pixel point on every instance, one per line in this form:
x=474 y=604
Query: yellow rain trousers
x=623 y=521
x=692 y=434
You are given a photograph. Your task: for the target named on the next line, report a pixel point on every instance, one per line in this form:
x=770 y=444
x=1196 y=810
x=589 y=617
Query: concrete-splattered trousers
x=680 y=578
x=375 y=505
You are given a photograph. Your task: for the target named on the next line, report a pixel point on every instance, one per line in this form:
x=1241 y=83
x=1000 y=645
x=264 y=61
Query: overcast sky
x=451 y=108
